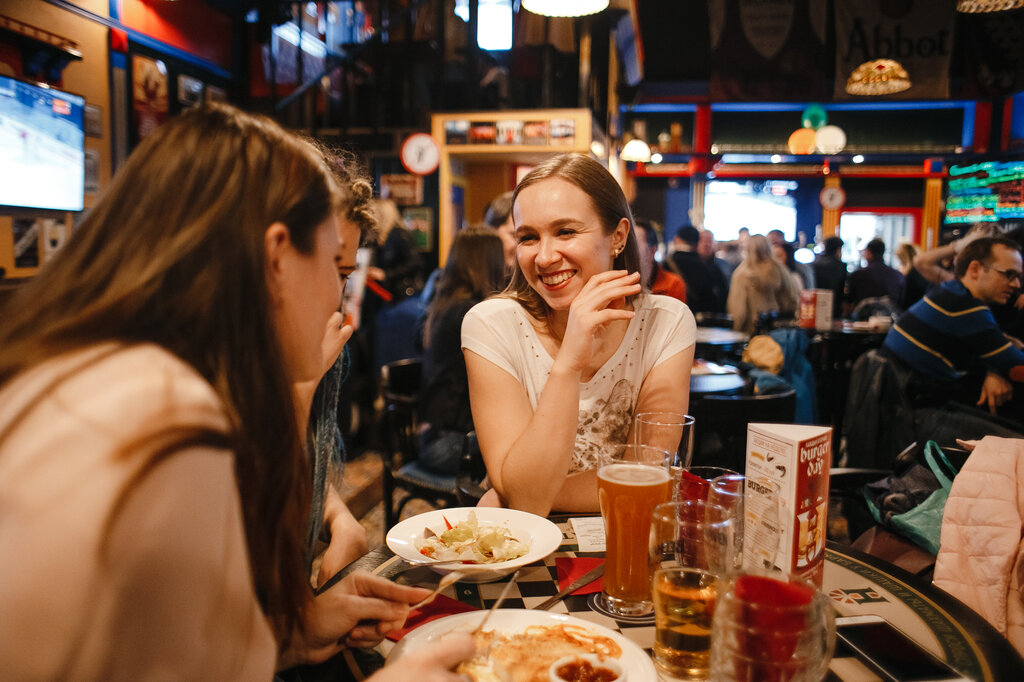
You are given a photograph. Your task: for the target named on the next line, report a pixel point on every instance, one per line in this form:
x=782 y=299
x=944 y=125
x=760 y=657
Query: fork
x=446 y=580
x=497 y=603
x=411 y=564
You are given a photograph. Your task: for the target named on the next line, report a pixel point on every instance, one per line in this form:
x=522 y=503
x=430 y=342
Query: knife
x=587 y=578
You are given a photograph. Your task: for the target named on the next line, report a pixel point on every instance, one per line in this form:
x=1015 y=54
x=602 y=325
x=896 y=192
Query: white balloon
x=830 y=139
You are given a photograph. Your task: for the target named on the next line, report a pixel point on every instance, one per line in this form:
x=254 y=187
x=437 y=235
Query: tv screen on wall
x=42 y=147
x=987 y=192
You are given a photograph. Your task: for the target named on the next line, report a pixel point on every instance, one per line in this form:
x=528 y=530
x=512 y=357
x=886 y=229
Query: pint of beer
x=631 y=482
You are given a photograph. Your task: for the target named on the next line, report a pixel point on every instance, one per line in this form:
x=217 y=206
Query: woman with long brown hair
x=153 y=480
x=559 y=364
x=474 y=271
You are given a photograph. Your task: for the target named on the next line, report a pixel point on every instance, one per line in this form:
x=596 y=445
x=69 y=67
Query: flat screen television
x=987 y=192
x=42 y=147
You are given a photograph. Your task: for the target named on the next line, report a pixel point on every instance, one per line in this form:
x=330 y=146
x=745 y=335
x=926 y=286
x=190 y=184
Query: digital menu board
x=985 y=192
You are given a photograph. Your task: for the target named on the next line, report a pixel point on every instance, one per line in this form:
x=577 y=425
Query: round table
x=722 y=384
x=856 y=584
x=715 y=343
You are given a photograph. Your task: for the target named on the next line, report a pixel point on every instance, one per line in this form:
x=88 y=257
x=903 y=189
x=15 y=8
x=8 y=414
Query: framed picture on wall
x=92 y=122
x=26 y=242
x=149 y=94
x=419 y=220
x=402 y=188
x=190 y=91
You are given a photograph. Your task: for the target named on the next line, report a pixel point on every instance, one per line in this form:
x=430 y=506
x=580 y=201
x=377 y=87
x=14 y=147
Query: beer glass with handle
x=690 y=549
x=771 y=628
x=631 y=481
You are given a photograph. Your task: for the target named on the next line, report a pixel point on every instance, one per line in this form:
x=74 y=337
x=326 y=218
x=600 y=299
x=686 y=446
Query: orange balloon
x=802 y=141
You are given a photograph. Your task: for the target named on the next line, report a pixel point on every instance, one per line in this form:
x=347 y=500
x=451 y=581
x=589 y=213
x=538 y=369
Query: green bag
x=923 y=523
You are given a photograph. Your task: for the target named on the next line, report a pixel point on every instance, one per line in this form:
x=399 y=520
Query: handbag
x=921 y=523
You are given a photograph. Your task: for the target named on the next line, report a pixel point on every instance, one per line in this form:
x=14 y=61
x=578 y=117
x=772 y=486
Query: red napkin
x=693 y=487
x=571 y=568
x=439 y=608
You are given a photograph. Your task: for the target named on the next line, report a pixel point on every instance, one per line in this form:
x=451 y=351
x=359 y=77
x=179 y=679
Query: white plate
x=637 y=665
x=542 y=537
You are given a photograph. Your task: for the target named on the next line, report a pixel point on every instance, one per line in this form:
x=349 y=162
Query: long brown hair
x=609 y=203
x=173 y=254
x=475 y=270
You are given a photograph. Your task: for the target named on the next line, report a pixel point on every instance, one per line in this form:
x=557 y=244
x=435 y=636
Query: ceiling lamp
x=830 y=139
x=564 y=8
x=878 y=77
x=636 y=150
x=978 y=6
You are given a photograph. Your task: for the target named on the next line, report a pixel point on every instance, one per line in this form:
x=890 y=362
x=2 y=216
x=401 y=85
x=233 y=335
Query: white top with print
x=499 y=330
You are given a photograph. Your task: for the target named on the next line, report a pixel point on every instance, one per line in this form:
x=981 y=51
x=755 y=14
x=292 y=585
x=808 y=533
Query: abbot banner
x=767 y=50
x=916 y=33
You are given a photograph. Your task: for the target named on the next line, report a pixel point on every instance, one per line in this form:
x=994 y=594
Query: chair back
x=471 y=472
x=720 y=425
x=400 y=388
x=401 y=379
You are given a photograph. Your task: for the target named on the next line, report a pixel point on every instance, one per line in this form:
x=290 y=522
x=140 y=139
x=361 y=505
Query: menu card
x=589 y=533
x=789 y=524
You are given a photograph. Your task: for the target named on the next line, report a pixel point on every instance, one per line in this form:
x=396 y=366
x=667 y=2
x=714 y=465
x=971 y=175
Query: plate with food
x=518 y=645
x=485 y=543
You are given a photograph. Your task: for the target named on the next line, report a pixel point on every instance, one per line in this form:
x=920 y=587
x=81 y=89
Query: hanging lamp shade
x=802 y=141
x=564 y=8
x=981 y=6
x=878 y=77
x=636 y=150
x=830 y=139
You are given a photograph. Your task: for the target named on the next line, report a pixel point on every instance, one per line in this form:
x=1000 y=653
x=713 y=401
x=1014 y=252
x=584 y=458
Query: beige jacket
x=981 y=554
x=757 y=289
x=99 y=585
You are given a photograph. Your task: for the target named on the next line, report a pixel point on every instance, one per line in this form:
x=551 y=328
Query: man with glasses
x=951 y=340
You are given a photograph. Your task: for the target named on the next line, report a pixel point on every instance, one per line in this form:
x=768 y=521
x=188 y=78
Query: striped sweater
x=949 y=332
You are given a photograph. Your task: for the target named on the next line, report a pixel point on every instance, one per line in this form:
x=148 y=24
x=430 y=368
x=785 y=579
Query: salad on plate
x=470 y=542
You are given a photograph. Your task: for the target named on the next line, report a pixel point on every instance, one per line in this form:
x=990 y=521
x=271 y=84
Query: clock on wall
x=832 y=198
x=420 y=154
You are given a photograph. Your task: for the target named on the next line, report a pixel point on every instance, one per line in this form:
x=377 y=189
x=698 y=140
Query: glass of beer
x=691 y=534
x=684 y=600
x=631 y=481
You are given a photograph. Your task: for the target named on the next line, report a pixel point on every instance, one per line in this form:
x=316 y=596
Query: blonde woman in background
x=760 y=284
x=396 y=265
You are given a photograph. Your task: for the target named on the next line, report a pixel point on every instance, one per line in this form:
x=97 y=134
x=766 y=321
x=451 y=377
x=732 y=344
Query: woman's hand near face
x=336 y=335
x=601 y=302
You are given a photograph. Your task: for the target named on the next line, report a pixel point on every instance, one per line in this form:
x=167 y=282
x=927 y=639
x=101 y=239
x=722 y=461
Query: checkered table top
x=854 y=586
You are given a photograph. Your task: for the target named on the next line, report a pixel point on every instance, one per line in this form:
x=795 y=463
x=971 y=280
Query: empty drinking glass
x=750 y=502
x=672 y=431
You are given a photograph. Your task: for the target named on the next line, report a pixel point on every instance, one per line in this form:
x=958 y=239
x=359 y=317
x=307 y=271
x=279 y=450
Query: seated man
x=950 y=338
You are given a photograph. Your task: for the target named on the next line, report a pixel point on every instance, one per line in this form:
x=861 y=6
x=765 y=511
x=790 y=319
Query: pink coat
x=981 y=554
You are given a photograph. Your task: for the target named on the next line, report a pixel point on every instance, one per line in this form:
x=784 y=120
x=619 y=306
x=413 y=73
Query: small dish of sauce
x=586 y=668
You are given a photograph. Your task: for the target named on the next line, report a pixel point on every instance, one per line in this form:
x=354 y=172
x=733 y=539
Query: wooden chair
x=720 y=425
x=400 y=385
